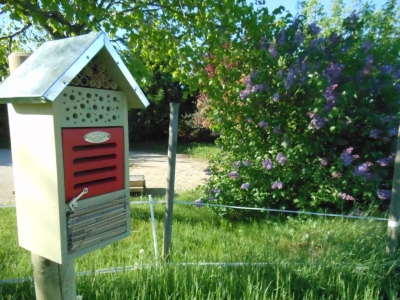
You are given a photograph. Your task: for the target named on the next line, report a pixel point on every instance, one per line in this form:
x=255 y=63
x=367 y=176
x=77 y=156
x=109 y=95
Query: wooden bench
x=137 y=183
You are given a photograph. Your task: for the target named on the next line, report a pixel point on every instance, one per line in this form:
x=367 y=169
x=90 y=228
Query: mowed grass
x=194 y=149
x=281 y=258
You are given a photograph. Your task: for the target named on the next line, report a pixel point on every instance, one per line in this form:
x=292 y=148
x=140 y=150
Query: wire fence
x=299 y=212
x=198 y=204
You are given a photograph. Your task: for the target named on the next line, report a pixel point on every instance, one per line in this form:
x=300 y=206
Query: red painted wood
x=97 y=166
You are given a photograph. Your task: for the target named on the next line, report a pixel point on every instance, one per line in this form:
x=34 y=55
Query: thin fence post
x=169 y=205
x=394 y=213
x=153 y=224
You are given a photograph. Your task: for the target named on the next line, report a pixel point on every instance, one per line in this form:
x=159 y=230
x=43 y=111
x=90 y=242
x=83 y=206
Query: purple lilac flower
x=324 y=162
x=263 y=124
x=277 y=130
x=247 y=162
x=387 y=69
x=367 y=45
x=317 y=121
x=245 y=93
x=374 y=133
x=384 y=194
x=248 y=82
x=369 y=59
x=236 y=164
x=276 y=97
x=298 y=37
x=259 y=87
x=289 y=79
x=333 y=71
x=314 y=29
x=211 y=198
x=384 y=162
x=272 y=50
x=215 y=191
x=234 y=175
x=363 y=169
x=207 y=171
x=198 y=202
x=394 y=131
x=281 y=159
x=267 y=164
x=346 y=197
x=353 y=17
x=263 y=43
x=387 y=119
x=245 y=186
x=330 y=97
x=347 y=157
x=282 y=38
x=277 y=185
x=249 y=120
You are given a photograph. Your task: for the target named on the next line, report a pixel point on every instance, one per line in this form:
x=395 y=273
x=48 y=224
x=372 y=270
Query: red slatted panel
x=96 y=166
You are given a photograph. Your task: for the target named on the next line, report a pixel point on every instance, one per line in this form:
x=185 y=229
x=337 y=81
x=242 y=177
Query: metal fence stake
x=169 y=205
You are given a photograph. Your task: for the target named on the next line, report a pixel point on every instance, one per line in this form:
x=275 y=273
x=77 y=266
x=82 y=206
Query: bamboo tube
x=113 y=85
x=106 y=84
x=98 y=84
x=106 y=76
x=96 y=61
x=92 y=83
x=101 y=68
x=90 y=63
x=95 y=69
x=76 y=81
x=95 y=77
x=84 y=81
x=88 y=71
x=100 y=76
x=81 y=73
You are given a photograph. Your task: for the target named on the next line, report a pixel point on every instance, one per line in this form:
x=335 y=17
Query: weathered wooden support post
x=169 y=205
x=53 y=281
x=394 y=214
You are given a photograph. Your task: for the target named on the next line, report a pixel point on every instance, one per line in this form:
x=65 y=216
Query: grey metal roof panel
x=44 y=75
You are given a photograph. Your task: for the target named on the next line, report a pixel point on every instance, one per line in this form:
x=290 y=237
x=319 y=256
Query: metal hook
x=73 y=204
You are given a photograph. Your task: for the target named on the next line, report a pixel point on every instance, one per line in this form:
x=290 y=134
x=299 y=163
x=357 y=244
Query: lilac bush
x=323 y=103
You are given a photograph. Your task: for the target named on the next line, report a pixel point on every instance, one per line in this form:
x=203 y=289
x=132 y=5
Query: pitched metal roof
x=44 y=75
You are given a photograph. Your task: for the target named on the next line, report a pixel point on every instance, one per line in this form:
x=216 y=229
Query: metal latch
x=73 y=204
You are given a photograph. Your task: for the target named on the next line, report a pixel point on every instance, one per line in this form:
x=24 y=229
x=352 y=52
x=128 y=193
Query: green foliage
x=307 y=118
x=153 y=122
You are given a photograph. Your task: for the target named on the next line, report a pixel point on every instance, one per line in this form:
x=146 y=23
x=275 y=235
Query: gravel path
x=189 y=173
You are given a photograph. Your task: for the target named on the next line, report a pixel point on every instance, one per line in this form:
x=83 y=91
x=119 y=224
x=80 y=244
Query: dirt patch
x=189 y=173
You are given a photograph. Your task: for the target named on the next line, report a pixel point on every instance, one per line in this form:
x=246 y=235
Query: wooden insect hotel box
x=68 y=105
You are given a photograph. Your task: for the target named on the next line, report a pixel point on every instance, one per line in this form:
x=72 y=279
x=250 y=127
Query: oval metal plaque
x=97 y=137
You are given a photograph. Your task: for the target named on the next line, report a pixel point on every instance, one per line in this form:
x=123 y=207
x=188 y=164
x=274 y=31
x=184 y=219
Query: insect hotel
x=68 y=105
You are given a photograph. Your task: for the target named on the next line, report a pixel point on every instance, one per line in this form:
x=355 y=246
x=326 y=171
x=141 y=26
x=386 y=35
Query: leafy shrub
x=306 y=118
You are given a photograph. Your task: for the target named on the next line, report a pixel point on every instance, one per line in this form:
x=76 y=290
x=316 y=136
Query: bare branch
x=11 y=36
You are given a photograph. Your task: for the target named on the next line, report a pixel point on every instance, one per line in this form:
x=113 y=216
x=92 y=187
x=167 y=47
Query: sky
x=290 y=5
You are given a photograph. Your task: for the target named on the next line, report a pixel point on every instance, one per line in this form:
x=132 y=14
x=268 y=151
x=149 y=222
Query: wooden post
x=52 y=280
x=394 y=214
x=169 y=205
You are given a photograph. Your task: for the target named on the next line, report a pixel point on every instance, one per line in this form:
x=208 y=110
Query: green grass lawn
x=193 y=149
x=284 y=258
